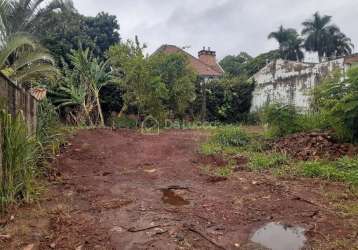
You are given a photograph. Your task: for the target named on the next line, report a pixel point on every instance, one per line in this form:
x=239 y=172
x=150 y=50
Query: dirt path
x=123 y=190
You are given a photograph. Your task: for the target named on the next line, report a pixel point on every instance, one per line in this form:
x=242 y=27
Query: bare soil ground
x=124 y=190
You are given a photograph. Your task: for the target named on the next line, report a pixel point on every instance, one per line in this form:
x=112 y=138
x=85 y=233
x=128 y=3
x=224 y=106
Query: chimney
x=207 y=56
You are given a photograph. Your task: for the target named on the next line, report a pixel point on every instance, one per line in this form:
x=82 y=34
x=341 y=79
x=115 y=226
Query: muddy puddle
x=170 y=197
x=277 y=236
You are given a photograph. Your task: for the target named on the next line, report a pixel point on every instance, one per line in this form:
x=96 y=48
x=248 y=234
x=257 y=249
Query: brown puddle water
x=276 y=236
x=171 y=198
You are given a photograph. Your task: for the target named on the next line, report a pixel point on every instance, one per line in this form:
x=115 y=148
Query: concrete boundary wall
x=16 y=99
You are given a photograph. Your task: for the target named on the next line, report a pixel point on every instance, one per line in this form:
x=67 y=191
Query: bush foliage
x=338 y=100
x=282 y=119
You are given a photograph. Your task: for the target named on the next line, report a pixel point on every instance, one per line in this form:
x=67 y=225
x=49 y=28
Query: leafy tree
x=103 y=30
x=236 y=65
x=255 y=65
x=290 y=43
x=141 y=88
x=244 y=65
x=179 y=78
x=64 y=31
x=325 y=38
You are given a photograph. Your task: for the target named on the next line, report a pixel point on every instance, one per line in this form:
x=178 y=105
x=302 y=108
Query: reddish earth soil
x=124 y=190
x=313 y=146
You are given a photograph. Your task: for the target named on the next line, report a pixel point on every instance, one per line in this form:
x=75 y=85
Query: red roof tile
x=200 y=67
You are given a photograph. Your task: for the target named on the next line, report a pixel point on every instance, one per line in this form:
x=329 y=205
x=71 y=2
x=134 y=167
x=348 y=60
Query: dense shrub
x=338 y=100
x=282 y=119
x=313 y=121
x=228 y=100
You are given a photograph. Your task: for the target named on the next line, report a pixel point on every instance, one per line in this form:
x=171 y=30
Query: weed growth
x=20 y=154
x=264 y=161
x=330 y=171
x=231 y=136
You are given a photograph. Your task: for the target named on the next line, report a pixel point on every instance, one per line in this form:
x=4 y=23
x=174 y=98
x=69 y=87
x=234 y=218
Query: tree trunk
x=99 y=108
x=124 y=108
x=87 y=113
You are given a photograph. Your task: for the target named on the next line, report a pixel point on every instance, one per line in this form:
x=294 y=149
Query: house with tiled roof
x=205 y=65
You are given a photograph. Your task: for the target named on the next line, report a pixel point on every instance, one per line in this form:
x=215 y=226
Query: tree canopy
x=64 y=31
x=245 y=65
x=290 y=43
x=325 y=38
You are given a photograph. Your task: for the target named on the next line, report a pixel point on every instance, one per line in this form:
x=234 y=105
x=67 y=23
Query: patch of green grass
x=264 y=161
x=230 y=140
x=231 y=136
x=331 y=171
x=210 y=148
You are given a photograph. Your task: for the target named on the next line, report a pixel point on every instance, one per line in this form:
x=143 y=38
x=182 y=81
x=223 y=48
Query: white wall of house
x=290 y=82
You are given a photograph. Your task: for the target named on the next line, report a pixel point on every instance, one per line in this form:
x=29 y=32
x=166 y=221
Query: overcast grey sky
x=227 y=26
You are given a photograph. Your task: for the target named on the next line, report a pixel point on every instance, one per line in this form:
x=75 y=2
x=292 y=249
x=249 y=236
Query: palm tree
x=340 y=44
x=325 y=38
x=290 y=43
x=21 y=56
x=24 y=14
x=293 y=47
x=24 y=59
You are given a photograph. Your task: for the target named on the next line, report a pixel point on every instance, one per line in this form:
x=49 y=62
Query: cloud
x=228 y=26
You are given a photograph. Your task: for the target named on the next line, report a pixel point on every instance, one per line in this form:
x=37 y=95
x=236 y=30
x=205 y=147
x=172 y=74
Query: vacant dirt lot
x=124 y=190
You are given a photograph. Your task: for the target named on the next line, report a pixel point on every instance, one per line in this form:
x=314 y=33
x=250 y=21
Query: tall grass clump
x=313 y=121
x=49 y=131
x=20 y=152
x=231 y=136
